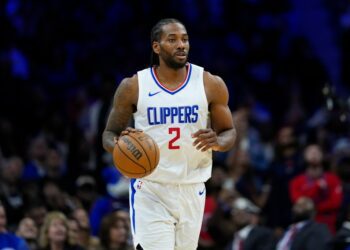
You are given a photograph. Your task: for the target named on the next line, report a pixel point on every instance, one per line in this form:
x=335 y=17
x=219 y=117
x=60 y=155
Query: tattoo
x=120 y=114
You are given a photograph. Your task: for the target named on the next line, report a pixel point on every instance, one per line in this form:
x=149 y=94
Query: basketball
x=136 y=155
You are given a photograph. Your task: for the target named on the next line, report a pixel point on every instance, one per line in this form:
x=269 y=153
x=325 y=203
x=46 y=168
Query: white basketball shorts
x=166 y=216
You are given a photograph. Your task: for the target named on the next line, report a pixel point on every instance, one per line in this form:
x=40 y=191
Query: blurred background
x=286 y=64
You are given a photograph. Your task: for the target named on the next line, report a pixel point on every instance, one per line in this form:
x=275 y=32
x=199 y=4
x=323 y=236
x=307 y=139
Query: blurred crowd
x=60 y=63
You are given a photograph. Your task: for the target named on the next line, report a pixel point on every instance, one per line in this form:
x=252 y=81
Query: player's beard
x=171 y=62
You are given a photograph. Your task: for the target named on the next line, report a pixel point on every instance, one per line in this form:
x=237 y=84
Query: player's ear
x=155 y=47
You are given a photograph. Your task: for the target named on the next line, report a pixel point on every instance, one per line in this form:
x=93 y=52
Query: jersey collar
x=180 y=87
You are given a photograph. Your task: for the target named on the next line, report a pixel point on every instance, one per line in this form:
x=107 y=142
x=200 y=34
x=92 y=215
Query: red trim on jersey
x=172 y=90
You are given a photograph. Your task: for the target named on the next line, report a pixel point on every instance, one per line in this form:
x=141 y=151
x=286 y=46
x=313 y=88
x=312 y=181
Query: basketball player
x=185 y=109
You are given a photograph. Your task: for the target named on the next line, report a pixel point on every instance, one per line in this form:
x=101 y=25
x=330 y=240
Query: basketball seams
x=124 y=155
x=136 y=139
x=121 y=150
x=155 y=155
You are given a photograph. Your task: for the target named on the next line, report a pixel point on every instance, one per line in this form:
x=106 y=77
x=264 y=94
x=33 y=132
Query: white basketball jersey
x=170 y=117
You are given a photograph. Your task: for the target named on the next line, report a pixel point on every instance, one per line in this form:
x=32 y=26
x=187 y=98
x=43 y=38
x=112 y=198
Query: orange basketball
x=136 y=155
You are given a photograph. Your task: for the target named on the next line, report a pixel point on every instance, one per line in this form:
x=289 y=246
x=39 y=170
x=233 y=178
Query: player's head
x=170 y=44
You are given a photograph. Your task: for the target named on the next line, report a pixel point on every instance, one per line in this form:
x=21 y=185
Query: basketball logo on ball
x=136 y=155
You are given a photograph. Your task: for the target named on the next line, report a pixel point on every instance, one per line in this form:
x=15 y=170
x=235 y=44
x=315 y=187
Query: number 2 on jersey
x=175 y=131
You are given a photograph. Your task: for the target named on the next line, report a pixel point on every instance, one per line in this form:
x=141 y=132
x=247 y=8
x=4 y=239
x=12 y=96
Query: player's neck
x=171 y=77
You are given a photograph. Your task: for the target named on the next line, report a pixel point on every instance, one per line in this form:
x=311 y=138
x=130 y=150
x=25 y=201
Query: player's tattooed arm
x=124 y=104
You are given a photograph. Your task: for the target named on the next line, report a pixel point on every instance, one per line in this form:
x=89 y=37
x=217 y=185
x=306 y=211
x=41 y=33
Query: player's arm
x=222 y=134
x=124 y=104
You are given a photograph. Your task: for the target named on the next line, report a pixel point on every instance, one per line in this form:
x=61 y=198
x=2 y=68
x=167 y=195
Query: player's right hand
x=125 y=132
x=130 y=130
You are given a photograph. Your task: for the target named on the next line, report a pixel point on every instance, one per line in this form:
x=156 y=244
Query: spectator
x=86 y=191
x=323 y=187
x=249 y=140
x=286 y=165
x=56 y=167
x=11 y=189
x=84 y=236
x=36 y=210
x=56 y=199
x=245 y=180
x=73 y=228
x=304 y=233
x=114 y=234
x=54 y=233
x=249 y=235
x=28 y=231
x=125 y=215
x=35 y=169
x=8 y=240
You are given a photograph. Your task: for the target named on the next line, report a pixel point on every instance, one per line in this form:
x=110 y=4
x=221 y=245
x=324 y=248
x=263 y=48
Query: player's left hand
x=205 y=139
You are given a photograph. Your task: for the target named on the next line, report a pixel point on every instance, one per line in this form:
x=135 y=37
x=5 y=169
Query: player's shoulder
x=212 y=80
x=129 y=83
x=215 y=87
x=213 y=83
x=129 y=80
x=128 y=89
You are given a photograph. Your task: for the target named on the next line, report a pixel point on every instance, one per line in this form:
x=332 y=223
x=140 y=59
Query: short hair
x=156 y=33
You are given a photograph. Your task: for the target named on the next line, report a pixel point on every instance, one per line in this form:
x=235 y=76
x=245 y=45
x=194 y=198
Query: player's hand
x=205 y=139
x=128 y=130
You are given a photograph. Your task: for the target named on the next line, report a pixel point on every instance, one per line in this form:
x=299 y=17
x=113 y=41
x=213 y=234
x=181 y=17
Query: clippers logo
x=131 y=147
x=139 y=184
